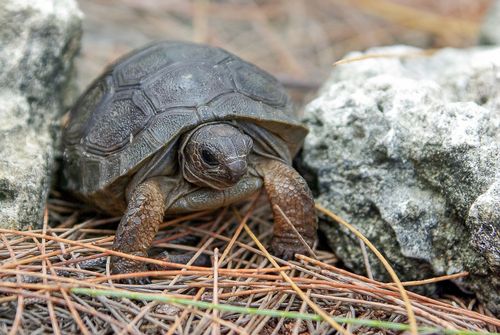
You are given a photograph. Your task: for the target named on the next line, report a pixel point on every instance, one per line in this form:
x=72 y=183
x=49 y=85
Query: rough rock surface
x=408 y=150
x=490 y=34
x=38 y=42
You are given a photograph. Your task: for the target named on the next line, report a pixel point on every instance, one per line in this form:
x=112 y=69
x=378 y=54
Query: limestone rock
x=407 y=148
x=38 y=42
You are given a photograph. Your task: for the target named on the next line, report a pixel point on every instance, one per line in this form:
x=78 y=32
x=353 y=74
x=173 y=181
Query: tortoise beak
x=236 y=170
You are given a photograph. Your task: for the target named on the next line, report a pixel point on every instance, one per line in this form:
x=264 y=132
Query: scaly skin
x=138 y=228
x=147 y=206
x=287 y=189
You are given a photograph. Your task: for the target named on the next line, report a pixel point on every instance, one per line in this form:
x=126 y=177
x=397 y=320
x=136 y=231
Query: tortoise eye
x=208 y=157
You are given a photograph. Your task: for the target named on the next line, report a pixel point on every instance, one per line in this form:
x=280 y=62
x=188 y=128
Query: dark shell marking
x=150 y=97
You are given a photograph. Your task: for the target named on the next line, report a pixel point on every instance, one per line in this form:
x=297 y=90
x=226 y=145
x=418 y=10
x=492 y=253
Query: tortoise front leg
x=287 y=189
x=138 y=228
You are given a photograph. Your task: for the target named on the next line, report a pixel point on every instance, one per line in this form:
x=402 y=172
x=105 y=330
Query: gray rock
x=38 y=42
x=490 y=32
x=407 y=149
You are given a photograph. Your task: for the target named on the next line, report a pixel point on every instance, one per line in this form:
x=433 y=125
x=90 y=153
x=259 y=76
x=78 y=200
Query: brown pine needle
x=224 y=254
x=20 y=298
x=290 y=224
x=45 y=262
x=301 y=294
x=89 y=246
x=411 y=316
x=215 y=299
x=50 y=263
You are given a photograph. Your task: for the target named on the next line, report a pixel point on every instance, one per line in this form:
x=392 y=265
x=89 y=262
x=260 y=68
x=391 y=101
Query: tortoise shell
x=148 y=98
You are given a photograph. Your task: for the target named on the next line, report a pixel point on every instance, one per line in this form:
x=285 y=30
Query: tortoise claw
x=201 y=260
x=136 y=281
x=120 y=265
x=286 y=248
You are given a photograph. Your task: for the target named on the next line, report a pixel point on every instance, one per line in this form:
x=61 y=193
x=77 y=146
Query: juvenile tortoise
x=180 y=127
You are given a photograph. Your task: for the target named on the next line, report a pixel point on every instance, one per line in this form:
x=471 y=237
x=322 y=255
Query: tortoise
x=177 y=127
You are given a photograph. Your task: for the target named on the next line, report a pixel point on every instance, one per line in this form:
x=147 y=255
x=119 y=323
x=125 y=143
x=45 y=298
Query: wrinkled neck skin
x=215 y=155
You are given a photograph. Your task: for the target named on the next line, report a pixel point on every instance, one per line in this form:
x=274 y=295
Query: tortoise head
x=215 y=155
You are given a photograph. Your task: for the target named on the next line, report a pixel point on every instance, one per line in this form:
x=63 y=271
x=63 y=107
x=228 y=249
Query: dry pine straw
x=39 y=268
